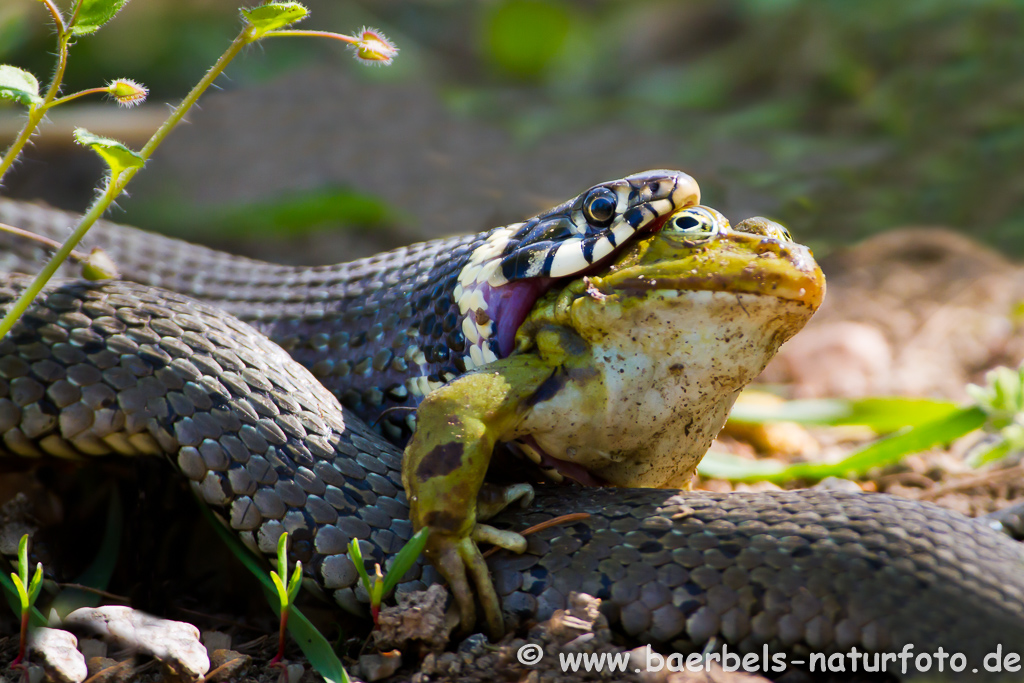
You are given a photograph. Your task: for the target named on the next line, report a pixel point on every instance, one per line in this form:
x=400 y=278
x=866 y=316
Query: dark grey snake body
x=131 y=368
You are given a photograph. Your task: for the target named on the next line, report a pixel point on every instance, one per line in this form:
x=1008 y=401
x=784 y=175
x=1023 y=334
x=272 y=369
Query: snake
x=286 y=395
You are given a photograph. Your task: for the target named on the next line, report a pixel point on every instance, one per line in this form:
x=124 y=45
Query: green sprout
x=1002 y=400
x=287 y=589
x=381 y=586
x=28 y=591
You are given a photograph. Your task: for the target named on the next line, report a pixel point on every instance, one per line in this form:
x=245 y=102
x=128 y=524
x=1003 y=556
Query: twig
x=554 y=521
x=1017 y=471
x=45 y=241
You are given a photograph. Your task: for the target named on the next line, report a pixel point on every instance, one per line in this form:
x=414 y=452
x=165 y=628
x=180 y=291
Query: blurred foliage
x=841 y=119
x=522 y=37
x=291 y=213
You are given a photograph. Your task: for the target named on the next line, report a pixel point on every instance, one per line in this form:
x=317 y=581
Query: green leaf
x=22 y=595
x=282 y=592
x=18 y=85
x=295 y=583
x=877 y=454
x=377 y=594
x=23 y=560
x=274 y=15
x=405 y=559
x=282 y=554
x=10 y=592
x=118 y=157
x=37 y=583
x=94 y=13
x=881 y=414
x=998 y=450
x=316 y=648
x=356 y=556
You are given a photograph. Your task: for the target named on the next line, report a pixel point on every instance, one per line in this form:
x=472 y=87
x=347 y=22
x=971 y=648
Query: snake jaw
x=504 y=277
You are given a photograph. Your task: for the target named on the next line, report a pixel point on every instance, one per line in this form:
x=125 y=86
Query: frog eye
x=764 y=227
x=694 y=223
x=599 y=207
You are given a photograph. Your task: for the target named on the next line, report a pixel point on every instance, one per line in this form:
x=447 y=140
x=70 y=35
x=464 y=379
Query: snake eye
x=694 y=223
x=599 y=207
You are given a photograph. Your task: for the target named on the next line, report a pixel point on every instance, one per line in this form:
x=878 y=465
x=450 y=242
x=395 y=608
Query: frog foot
x=493 y=499
x=459 y=560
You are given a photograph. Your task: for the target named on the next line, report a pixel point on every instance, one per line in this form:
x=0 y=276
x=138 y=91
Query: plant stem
x=44 y=241
x=117 y=183
x=23 y=645
x=243 y=39
x=58 y=20
x=74 y=13
x=281 y=637
x=76 y=95
x=36 y=112
x=315 y=34
x=99 y=205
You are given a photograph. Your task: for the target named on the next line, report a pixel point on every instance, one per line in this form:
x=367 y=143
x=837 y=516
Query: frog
x=622 y=376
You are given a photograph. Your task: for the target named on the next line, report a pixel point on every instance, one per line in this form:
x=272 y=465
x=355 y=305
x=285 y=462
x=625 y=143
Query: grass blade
x=316 y=648
x=884 y=415
x=880 y=453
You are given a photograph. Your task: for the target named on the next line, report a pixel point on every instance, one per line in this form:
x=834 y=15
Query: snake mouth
x=506 y=276
x=513 y=301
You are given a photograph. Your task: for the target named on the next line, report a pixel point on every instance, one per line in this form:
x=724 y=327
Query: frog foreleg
x=443 y=472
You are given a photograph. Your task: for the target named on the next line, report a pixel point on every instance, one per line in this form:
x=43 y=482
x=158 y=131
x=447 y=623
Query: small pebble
x=57 y=651
x=378 y=666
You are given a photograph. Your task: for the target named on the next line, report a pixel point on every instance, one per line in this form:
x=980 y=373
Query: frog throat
x=741 y=291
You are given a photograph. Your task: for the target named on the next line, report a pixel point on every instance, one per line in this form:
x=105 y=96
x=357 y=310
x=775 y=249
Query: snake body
x=235 y=368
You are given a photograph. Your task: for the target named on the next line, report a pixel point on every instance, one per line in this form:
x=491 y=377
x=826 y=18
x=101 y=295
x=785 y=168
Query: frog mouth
x=508 y=305
x=733 y=262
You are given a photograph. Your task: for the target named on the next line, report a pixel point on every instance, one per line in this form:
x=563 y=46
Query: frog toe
x=484 y=588
x=509 y=540
x=447 y=558
x=493 y=499
x=460 y=561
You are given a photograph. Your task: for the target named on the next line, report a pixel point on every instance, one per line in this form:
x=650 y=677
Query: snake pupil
x=599 y=207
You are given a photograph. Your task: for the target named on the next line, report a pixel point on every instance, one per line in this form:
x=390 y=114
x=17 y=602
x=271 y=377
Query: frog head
x=648 y=355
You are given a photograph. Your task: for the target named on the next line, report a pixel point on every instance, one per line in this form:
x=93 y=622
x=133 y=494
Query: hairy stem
x=36 y=112
x=315 y=34
x=117 y=183
x=99 y=205
x=76 y=95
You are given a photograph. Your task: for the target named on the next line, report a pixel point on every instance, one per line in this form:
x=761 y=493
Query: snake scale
x=258 y=379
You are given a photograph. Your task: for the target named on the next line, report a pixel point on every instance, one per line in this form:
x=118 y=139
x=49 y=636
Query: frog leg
x=443 y=472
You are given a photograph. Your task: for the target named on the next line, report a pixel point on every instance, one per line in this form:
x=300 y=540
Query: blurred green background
x=841 y=119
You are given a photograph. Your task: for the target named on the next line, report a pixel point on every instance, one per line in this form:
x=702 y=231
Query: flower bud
x=373 y=47
x=127 y=92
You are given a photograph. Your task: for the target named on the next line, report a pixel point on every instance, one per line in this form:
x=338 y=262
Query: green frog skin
x=623 y=376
